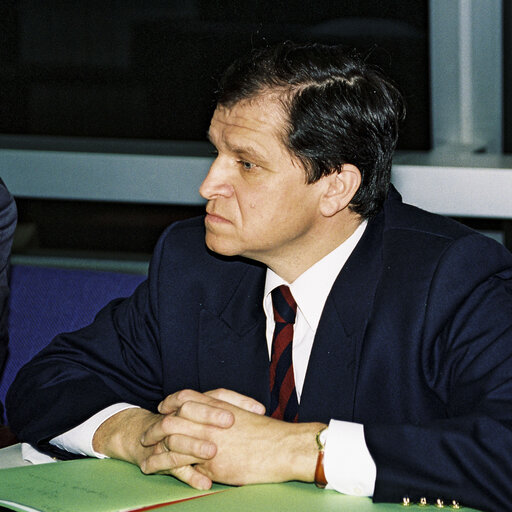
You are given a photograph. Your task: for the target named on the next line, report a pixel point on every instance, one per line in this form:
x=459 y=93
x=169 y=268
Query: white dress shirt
x=349 y=467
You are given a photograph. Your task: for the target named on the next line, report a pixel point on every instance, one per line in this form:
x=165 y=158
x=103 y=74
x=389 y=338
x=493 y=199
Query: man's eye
x=246 y=166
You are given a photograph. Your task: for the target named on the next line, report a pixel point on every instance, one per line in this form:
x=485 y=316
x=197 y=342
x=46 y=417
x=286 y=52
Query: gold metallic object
x=423 y=502
x=439 y=503
x=406 y=501
x=320 y=479
x=320 y=442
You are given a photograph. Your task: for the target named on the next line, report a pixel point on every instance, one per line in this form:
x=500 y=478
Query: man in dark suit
x=376 y=336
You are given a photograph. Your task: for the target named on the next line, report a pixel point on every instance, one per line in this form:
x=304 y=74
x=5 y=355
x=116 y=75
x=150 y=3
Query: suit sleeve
x=466 y=361
x=115 y=359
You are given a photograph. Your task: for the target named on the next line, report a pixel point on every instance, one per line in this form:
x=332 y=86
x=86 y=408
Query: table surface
x=293 y=496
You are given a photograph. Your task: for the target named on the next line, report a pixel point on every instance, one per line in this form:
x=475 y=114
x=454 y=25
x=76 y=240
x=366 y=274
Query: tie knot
x=284 y=305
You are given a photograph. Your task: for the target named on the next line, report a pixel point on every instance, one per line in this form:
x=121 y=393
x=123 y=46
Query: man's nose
x=216 y=183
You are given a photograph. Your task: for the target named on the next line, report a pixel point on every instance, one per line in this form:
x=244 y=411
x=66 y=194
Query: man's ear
x=341 y=186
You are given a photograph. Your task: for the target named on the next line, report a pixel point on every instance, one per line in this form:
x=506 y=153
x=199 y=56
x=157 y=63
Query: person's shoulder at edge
x=8 y=213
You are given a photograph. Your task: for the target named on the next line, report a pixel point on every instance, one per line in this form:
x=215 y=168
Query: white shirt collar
x=311 y=288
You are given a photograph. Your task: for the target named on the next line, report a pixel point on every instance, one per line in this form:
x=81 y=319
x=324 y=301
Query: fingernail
x=142 y=440
x=207 y=451
x=205 y=484
x=143 y=467
x=226 y=418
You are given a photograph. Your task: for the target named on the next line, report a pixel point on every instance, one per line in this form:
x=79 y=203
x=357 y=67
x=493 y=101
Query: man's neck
x=333 y=236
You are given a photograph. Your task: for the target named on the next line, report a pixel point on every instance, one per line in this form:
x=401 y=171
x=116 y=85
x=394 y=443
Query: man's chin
x=219 y=246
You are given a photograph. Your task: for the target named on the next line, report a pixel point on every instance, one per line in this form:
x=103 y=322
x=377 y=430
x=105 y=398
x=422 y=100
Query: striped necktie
x=283 y=398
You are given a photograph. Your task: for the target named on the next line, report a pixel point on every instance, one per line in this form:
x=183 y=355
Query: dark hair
x=339 y=110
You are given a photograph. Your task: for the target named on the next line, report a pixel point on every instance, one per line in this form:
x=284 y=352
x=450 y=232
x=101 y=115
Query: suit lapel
x=232 y=347
x=330 y=383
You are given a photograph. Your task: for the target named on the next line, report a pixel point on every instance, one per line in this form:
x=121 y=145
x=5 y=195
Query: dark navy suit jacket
x=415 y=342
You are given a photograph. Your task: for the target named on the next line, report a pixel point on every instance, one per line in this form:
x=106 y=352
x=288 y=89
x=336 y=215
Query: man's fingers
x=165 y=463
x=173 y=402
x=242 y=401
x=196 y=425
x=190 y=446
x=192 y=477
x=207 y=413
x=176 y=455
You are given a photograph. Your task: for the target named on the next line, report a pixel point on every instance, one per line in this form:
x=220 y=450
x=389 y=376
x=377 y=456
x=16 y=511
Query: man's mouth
x=215 y=218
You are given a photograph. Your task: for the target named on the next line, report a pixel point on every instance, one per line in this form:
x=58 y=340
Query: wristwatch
x=321 y=437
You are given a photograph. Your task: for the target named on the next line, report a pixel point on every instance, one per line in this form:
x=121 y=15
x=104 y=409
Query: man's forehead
x=255 y=127
x=262 y=114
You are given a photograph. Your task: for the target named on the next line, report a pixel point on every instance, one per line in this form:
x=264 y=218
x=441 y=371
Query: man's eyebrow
x=248 y=151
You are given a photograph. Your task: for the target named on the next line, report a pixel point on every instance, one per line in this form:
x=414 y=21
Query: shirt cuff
x=349 y=467
x=79 y=439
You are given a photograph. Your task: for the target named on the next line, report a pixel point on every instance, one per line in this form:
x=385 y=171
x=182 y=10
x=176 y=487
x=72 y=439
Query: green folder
x=92 y=485
x=89 y=485
x=294 y=497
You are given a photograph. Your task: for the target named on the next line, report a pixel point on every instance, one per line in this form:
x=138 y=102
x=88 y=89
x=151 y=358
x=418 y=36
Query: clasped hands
x=188 y=440
x=219 y=436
